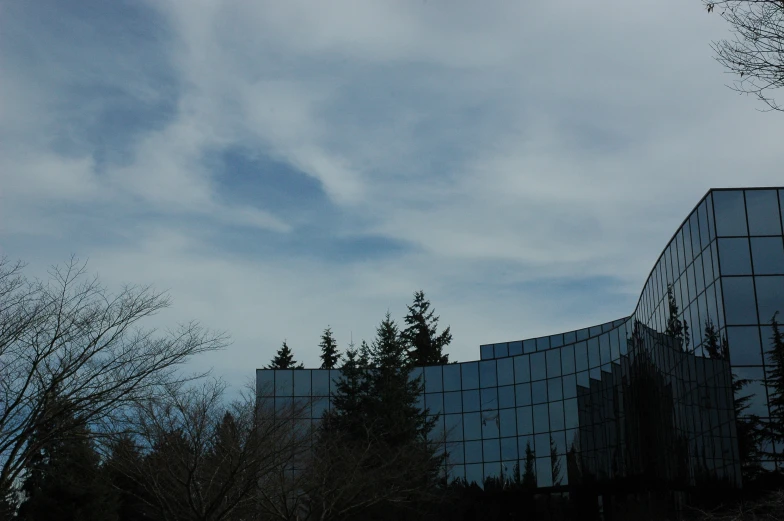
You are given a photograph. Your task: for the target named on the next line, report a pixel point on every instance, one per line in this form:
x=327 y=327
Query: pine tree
x=330 y=356
x=425 y=345
x=775 y=385
x=64 y=480
x=711 y=343
x=529 y=473
x=284 y=359
x=676 y=328
x=122 y=469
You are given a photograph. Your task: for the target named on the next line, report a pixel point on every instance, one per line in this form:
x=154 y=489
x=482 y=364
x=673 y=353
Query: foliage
x=330 y=356
x=284 y=359
x=425 y=344
x=775 y=385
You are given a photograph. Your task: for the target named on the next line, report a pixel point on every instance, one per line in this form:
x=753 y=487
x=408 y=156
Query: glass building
x=645 y=399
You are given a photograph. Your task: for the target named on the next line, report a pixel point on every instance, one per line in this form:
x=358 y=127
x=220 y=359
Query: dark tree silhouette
x=284 y=359
x=330 y=356
x=775 y=386
x=425 y=344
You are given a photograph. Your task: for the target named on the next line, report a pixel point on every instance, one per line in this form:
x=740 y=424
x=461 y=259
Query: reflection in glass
x=570 y=414
x=472 y=425
x=542 y=443
x=435 y=402
x=470 y=400
x=581 y=356
x=739 y=305
x=506 y=397
x=492 y=450
x=744 y=344
x=569 y=386
x=567 y=360
x=509 y=449
x=525 y=423
x=486 y=352
x=544 y=476
x=763 y=212
x=538 y=368
x=508 y=421
x=265 y=381
x=454 y=426
x=515 y=348
x=523 y=394
x=452 y=377
x=284 y=382
x=487 y=375
x=433 y=379
x=302 y=382
x=553 y=360
x=320 y=382
x=470 y=372
x=501 y=350
x=521 y=369
x=541 y=418
x=489 y=398
x=474 y=474
x=505 y=371
x=556 y=416
x=539 y=391
x=593 y=353
x=770 y=298
x=734 y=256
x=491 y=424
x=473 y=452
x=730 y=213
x=554 y=389
x=768 y=255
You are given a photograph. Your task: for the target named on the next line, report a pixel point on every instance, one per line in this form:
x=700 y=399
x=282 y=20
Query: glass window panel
x=707 y=266
x=541 y=418
x=453 y=402
x=283 y=404
x=570 y=414
x=525 y=423
x=472 y=425
x=581 y=334
x=768 y=255
x=284 y=382
x=265 y=382
x=538 y=368
x=456 y=472
x=755 y=389
x=582 y=379
x=539 y=391
x=508 y=419
x=615 y=350
x=770 y=298
x=739 y=305
x=320 y=382
x=302 y=382
x=595 y=373
x=417 y=373
x=704 y=233
x=452 y=377
x=505 y=371
x=487 y=374
x=529 y=346
x=492 y=450
x=509 y=449
x=433 y=379
x=470 y=401
x=734 y=256
x=435 y=402
x=489 y=399
x=490 y=424
x=556 y=341
x=570 y=337
x=560 y=441
x=522 y=371
x=730 y=213
x=474 y=474
x=470 y=372
x=593 y=353
x=542 y=443
x=454 y=426
x=581 y=356
x=501 y=350
x=543 y=343
x=567 y=360
x=486 y=351
x=334 y=378
x=604 y=348
x=699 y=275
x=679 y=252
x=320 y=406
x=473 y=452
x=544 y=476
x=688 y=256
x=523 y=393
x=506 y=396
x=492 y=470
x=523 y=444
x=569 y=386
x=556 y=416
x=744 y=345
x=515 y=348
x=554 y=389
x=553 y=359
x=762 y=207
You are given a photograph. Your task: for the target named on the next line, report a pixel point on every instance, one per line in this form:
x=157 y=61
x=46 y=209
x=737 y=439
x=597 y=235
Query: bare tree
x=69 y=338
x=756 y=53
x=205 y=460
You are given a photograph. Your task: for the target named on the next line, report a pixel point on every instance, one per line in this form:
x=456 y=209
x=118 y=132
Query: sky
x=279 y=167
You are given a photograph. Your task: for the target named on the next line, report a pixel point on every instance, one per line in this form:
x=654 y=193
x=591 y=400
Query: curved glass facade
x=643 y=400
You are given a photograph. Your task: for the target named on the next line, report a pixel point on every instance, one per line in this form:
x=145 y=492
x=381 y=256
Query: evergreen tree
x=330 y=356
x=529 y=473
x=775 y=385
x=122 y=471
x=676 y=328
x=284 y=359
x=64 y=480
x=712 y=344
x=425 y=345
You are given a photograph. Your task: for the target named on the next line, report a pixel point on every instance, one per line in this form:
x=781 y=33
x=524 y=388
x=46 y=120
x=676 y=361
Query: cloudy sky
x=282 y=166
